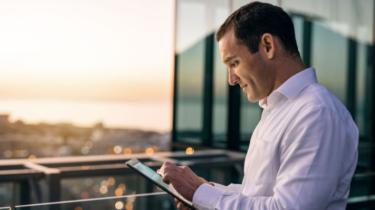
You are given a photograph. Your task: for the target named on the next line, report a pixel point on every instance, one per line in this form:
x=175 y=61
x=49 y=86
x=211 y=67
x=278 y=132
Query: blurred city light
x=189 y=151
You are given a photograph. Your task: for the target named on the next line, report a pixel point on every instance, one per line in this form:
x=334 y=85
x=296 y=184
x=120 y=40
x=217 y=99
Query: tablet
x=155 y=178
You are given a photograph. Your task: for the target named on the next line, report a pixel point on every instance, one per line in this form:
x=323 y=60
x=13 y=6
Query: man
x=303 y=152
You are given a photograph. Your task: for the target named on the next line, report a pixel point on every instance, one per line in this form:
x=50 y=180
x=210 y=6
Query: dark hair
x=252 y=20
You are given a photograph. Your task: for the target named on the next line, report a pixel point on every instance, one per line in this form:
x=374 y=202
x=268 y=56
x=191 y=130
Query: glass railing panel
x=5 y=196
x=156 y=200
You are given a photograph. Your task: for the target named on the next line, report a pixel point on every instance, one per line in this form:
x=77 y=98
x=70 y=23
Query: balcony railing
x=104 y=182
x=156 y=200
x=51 y=179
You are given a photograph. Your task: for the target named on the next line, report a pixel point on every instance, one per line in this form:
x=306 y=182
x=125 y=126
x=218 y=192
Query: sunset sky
x=102 y=50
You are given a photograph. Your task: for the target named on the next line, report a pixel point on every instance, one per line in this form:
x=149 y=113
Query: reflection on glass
x=7 y=191
x=190 y=66
x=190 y=89
x=158 y=200
x=220 y=89
x=95 y=187
x=330 y=59
x=197 y=20
x=250 y=116
x=298 y=28
x=220 y=105
x=362 y=68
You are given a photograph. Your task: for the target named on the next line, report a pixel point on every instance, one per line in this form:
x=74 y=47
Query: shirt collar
x=290 y=88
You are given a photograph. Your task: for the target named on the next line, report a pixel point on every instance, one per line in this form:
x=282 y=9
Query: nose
x=233 y=79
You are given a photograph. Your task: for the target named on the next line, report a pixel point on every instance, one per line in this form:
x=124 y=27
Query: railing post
x=207 y=111
x=25 y=192
x=53 y=187
x=52 y=180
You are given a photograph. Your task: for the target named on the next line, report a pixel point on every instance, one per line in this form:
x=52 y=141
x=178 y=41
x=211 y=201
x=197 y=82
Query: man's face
x=251 y=71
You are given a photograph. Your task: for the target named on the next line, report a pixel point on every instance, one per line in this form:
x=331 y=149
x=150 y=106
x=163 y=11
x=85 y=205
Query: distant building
x=4 y=119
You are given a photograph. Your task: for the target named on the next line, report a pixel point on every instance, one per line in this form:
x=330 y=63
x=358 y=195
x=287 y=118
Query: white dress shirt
x=302 y=154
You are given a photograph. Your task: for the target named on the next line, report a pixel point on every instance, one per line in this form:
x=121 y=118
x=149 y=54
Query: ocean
x=147 y=115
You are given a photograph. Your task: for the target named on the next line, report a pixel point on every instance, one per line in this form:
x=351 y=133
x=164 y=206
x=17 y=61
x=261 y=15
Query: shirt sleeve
x=311 y=167
x=231 y=187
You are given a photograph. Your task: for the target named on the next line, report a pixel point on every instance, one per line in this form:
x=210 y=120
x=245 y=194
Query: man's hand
x=180 y=205
x=183 y=179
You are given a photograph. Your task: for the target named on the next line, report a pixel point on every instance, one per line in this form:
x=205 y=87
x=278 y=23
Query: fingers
x=169 y=168
x=180 y=205
x=185 y=169
x=160 y=172
x=172 y=171
x=168 y=171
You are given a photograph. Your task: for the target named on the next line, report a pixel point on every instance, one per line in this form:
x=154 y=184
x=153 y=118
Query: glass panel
x=90 y=180
x=335 y=24
x=190 y=52
x=220 y=104
x=250 y=116
x=158 y=200
x=83 y=188
x=6 y=193
x=190 y=91
x=352 y=19
x=197 y=20
x=329 y=57
x=362 y=184
x=362 y=100
x=189 y=69
x=298 y=28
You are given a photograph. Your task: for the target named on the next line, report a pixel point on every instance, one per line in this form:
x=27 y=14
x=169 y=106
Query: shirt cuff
x=219 y=186
x=206 y=197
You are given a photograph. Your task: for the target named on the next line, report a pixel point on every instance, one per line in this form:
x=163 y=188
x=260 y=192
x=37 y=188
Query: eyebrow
x=229 y=58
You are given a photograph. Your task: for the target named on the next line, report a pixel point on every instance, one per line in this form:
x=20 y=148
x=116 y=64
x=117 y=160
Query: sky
x=101 y=50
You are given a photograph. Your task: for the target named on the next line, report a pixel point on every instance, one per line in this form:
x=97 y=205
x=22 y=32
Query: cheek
x=247 y=76
x=243 y=71
x=254 y=86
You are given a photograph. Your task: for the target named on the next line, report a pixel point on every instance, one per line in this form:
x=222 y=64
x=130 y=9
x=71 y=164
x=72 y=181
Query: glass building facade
x=335 y=37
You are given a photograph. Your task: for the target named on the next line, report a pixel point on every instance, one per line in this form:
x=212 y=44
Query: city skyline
x=155 y=116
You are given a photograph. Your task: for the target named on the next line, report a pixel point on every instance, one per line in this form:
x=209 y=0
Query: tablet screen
x=150 y=174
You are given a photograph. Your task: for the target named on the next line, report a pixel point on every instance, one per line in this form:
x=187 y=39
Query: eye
x=233 y=64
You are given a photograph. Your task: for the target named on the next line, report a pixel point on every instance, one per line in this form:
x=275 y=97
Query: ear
x=268 y=45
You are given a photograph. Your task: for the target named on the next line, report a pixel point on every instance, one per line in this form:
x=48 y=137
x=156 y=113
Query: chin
x=251 y=98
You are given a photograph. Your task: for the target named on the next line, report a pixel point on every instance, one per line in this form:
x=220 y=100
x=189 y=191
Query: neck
x=286 y=68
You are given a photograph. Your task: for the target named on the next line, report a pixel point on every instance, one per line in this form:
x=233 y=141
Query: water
x=148 y=115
